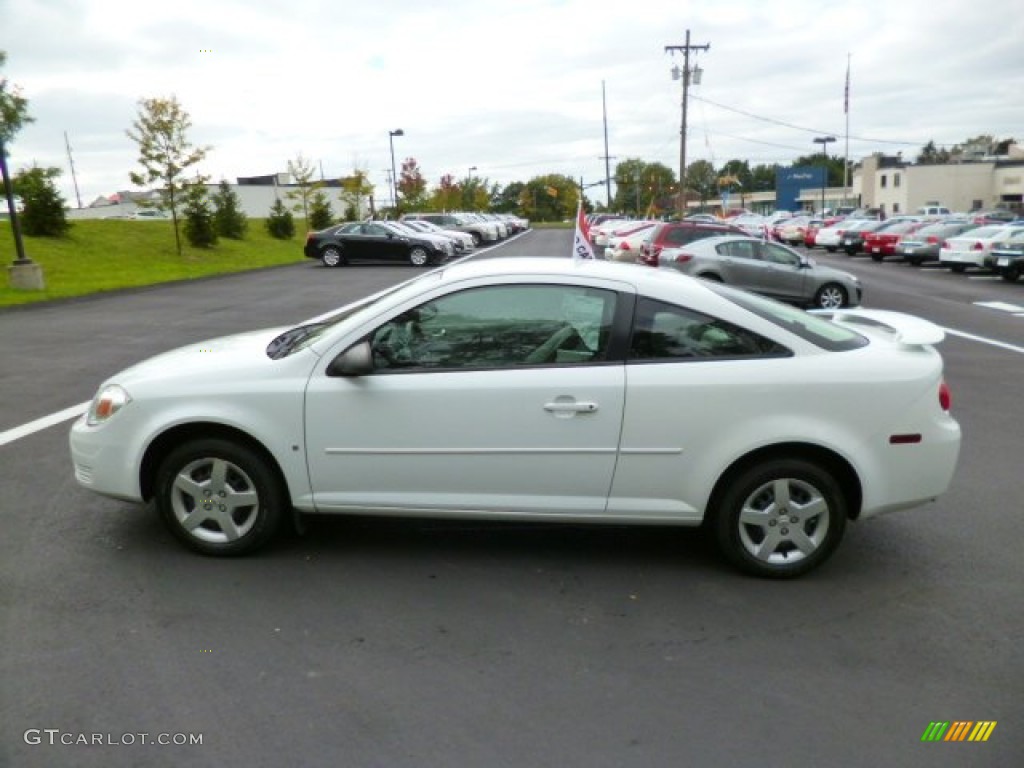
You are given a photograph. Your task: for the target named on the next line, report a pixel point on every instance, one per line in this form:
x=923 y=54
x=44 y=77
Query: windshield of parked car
x=817 y=330
x=301 y=336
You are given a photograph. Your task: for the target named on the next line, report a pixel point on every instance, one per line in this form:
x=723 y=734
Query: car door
x=782 y=273
x=383 y=243
x=740 y=263
x=499 y=399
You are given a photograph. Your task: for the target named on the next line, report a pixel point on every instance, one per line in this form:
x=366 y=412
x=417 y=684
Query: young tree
x=447 y=196
x=280 y=222
x=302 y=171
x=43 y=214
x=199 y=223
x=412 y=187
x=13 y=115
x=354 y=189
x=320 y=213
x=165 y=153
x=228 y=218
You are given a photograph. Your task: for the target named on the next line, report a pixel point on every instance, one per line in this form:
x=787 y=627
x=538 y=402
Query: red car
x=884 y=241
x=672 y=234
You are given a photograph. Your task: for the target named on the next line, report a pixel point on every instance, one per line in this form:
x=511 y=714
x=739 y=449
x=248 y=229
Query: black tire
x=831 y=296
x=419 y=256
x=877 y=257
x=332 y=256
x=477 y=239
x=958 y=268
x=851 y=251
x=1010 y=274
x=830 y=248
x=219 y=497
x=781 y=539
x=915 y=262
x=710 y=277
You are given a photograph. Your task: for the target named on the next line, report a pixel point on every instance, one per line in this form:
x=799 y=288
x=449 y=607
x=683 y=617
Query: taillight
x=977 y=247
x=932 y=239
x=682 y=258
x=945 y=396
x=945 y=244
x=624 y=246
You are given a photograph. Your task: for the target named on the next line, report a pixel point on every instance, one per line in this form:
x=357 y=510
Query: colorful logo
x=959 y=730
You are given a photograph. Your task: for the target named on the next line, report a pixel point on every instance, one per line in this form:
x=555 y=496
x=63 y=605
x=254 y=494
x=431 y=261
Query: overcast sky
x=513 y=87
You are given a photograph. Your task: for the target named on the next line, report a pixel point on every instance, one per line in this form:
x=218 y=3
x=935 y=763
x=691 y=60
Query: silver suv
x=480 y=231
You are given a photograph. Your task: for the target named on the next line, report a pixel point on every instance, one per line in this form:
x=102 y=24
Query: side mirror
x=354 y=361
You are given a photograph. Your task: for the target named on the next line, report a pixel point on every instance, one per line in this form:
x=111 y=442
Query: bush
x=320 y=213
x=199 y=225
x=228 y=218
x=280 y=223
x=43 y=214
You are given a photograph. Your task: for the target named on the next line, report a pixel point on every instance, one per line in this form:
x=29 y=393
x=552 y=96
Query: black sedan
x=852 y=240
x=372 y=241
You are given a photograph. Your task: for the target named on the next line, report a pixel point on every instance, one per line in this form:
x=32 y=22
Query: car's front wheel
x=219 y=497
x=830 y=296
x=780 y=519
x=332 y=256
x=418 y=256
x=958 y=268
x=1010 y=274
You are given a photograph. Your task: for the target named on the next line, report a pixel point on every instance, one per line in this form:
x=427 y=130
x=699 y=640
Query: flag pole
x=846 y=109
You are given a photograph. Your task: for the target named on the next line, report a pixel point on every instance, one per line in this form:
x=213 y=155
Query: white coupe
x=539 y=389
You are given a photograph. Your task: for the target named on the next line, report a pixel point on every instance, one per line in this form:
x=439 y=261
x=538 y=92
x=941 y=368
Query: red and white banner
x=581 y=248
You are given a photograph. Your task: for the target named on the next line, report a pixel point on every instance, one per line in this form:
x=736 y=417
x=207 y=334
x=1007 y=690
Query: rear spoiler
x=905 y=329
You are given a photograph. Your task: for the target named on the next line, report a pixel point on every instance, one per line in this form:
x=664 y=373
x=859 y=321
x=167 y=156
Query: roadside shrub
x=320 y=213
x=228 y=218
x=43 y=214
x=280 y=222
x=199 y=226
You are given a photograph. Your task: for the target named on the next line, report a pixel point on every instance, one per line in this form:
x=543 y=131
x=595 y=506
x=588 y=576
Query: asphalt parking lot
x=397 y=643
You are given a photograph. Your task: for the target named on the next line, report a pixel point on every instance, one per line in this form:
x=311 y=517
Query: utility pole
x=71 y=162
x=685 y=74
x=606 y=157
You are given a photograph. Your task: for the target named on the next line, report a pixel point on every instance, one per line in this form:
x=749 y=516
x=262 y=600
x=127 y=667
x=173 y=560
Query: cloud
x=511 y=88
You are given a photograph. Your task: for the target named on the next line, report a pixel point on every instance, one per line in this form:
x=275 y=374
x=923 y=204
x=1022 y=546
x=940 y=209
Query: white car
x=626 y=247
x=463 y=240
x=972 y=247
x=538 y=390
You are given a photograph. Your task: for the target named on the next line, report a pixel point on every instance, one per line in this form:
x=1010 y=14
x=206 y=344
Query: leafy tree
x=13 y=107
x=412 y=187
x=302 y=171
x=506 y=199
x=702 y=179
x=200 y=226
x=641 y=187
x=447 y=196
x=43 y=213
x=320 y=213
x=932 y=155
x=165 y=153
x=354 y=189
x=762 y=177
x=280 y=222
x=553 y=197
x=228 y=218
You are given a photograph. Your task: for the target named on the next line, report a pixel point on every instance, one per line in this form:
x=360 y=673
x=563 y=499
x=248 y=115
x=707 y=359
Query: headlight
x=107 y=402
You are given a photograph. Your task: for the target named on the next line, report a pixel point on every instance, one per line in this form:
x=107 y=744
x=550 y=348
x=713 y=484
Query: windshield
x=301 y=336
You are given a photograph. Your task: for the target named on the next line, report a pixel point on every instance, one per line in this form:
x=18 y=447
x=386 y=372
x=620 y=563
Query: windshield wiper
x=283 y=345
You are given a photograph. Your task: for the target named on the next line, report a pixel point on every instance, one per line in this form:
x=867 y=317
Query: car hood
x=243 y=355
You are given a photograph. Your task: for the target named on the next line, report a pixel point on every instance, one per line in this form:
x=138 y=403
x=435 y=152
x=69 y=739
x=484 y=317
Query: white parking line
x=43 y=423
x=983 y=340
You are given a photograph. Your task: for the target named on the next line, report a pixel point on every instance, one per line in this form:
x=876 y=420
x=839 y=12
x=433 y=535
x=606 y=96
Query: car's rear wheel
x=711 y=276
x=418 y=256
x=780 y=519
x=332 y=256
x=830 y=296
x=1010 y=274
x=477 y=239
x=830 y=248
x=219 y=497
x=958 y=268
x=877 y=257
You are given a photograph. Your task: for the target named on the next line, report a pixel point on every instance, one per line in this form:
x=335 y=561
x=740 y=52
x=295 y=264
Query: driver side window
x=497 y=327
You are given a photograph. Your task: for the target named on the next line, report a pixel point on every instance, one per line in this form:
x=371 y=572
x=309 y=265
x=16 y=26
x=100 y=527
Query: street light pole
x=824 y=141
x=394 y=177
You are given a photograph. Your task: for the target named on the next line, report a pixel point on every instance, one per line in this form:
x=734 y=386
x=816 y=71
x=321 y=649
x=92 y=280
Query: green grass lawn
x=105 y=255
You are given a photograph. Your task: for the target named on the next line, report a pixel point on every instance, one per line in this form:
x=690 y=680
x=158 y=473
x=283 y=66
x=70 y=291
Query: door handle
x=570 y=407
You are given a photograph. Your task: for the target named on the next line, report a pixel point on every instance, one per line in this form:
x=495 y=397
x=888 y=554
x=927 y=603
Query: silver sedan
x=767 y=268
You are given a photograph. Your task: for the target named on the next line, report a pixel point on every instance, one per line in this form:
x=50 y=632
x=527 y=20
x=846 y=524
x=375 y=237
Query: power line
x=773 y=121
